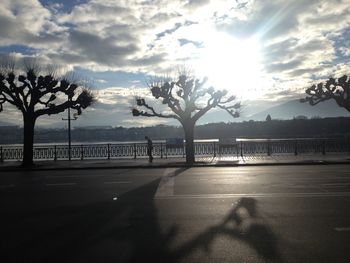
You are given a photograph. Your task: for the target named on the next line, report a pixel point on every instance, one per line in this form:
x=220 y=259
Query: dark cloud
x=100 y=50
x=279 y=51
x=311 y=46
x=164 y=17
x=123 y=33
x=98 y=12
x=327 y=19
x=174 y=28
x=194 y=4
x=290 y=55
x=149 y=60
x=8 y=27
x=279 y=67
x=309 y=71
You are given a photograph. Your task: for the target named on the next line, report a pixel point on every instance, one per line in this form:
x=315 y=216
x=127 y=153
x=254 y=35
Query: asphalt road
x=214 y=214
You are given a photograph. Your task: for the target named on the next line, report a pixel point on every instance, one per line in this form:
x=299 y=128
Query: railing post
x=1 y=155
x=241 y=149
x=323 y=147
x=296 y=147
x=268 y=148
x=161 y=150
x=184 y=149
x=82 y=152
x=316 y=146
x=214 y=149
x=166 y=151
x=55 y=153
x=134 y=150
x=108 y=151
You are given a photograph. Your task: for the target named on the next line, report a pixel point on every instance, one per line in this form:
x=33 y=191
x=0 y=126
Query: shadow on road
x=242 y=223
x=125 y=230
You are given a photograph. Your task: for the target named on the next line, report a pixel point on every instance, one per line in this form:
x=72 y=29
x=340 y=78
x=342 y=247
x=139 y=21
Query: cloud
x=278 y=67
x=100 y=50
x=27 y=22
x=300 y=41
x=194 y=4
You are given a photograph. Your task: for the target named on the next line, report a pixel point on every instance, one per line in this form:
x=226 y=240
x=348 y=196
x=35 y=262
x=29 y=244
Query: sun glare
x=232 y=64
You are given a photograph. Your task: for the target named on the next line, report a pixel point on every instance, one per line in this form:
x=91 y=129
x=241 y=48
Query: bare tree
x=39 y=94
x=188 y=100
x=337 y=89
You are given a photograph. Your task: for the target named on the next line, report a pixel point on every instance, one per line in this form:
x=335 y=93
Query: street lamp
x=69 y=131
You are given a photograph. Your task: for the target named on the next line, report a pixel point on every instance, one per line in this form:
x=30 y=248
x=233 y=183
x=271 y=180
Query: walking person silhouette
x=149 y=149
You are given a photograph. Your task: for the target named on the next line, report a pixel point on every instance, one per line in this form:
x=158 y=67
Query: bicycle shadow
x=243 y=223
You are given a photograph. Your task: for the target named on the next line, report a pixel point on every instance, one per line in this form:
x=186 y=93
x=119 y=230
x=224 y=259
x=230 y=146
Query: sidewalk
x=202 y=161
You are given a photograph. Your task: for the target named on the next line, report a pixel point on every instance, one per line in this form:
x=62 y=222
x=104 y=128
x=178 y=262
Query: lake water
x=228 y=140
x=106 y=142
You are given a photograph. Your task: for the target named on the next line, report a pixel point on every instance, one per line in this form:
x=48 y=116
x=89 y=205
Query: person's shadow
x=243 y=223
x=249 y=227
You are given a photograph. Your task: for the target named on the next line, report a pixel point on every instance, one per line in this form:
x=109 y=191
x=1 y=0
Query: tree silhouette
x=188 y=100
x=36 y=95
x=268 y=117
x=337 y=89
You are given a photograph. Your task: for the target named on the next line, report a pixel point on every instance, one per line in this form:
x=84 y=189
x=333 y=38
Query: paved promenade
x=180 y=162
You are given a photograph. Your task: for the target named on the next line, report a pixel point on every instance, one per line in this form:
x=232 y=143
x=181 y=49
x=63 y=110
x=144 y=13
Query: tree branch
x=142 y=103
x=338 y=90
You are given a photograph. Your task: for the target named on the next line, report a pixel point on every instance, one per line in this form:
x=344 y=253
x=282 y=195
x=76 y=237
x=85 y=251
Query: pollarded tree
x=337 y=89
x=188 y=100
x=36 y=95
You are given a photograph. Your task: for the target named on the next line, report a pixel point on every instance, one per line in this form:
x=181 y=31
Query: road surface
x=209 y=214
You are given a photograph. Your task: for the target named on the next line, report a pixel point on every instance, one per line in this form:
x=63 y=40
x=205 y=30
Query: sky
x=264 y=52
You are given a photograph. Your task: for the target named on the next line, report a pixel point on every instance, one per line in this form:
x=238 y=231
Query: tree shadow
x=128 y=230
x=179 y=171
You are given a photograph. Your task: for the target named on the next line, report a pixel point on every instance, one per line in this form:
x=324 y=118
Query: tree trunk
x=28 y=140
x=189 y=136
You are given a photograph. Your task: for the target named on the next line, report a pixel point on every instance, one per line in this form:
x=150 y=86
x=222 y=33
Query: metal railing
x=241 y=148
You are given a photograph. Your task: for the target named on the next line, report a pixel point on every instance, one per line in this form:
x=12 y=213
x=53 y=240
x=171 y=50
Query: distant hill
x=296 y=128
x=2 y=123
x=294 y=108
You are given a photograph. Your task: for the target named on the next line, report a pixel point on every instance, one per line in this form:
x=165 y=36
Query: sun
x=232 y=64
